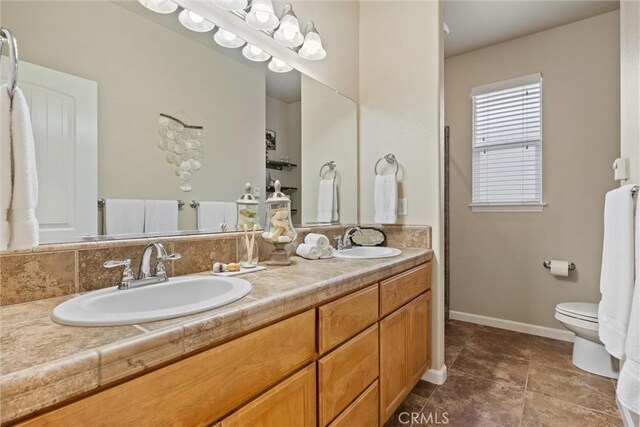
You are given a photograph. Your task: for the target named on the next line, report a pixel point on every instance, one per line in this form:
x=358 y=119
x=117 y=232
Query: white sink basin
x=367 y=252
x=177 y=297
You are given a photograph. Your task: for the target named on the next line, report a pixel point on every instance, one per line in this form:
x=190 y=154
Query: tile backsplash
x=69 y=268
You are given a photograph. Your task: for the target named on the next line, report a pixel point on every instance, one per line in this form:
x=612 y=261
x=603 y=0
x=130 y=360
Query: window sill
x=507 y=207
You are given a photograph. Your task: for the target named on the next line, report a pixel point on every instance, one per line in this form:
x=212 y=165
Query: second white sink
x=177 y=297
x=367 y=252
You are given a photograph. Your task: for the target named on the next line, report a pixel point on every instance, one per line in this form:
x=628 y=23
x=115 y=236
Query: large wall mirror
x=130 y=108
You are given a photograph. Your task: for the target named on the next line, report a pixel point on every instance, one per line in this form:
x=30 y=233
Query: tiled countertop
x=43 y=363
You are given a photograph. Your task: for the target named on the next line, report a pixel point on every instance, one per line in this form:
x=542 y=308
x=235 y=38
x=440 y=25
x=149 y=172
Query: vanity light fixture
x=233 y=5
x=160 y=6
x=279 y=66
x=288 y=33
x=227 y=39
x=312 y=49
x=254 y=53
x=195 y=22
x=261 y=15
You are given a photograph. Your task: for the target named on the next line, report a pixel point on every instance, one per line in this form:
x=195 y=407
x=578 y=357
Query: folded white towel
x=231 y=215
x=327 y=200
x=6 y=184
x=617 y=275
x=211 y=215
x=628 y=391
x=24 y=227
x=308 y=251
x=319 y=240
x=123 y=216
x=160 y=216
x=386 y=199
x=327 y=252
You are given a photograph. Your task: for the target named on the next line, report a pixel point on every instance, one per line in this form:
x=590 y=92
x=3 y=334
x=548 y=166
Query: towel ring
x=6 y=36
x=332 y=167
x=390 y=159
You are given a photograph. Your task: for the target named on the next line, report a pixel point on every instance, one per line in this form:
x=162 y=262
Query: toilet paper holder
x=547 y=265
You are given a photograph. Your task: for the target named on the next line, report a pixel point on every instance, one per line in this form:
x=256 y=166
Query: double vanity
x=336 y=342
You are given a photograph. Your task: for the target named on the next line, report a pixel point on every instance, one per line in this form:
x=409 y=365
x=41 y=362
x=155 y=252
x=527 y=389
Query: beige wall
x=496 y=258
x=143 y=69
x=630 y=86
x=329 y=132
x=337 y=23
x=400 y=80
x=284 y=119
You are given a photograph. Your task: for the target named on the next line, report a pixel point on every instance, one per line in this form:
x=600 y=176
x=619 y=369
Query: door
x=64 y=118
x=291 y=403
x=394 y=368
x=418 y=343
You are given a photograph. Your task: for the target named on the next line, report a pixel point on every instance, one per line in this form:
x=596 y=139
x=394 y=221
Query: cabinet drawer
x=291 y=403
x=202 y=388
x=342 y=319
x=346 y=372
x=361 y=413
x=404 y=287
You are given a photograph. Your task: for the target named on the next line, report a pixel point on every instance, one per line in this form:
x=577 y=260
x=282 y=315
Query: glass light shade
x=312 y=47
x=231 y=4
x=159 y=6
x=254 y=53
x=279 y=66
x=227 y=39
x=288 y=34
x=195 y=22
x=261 y=15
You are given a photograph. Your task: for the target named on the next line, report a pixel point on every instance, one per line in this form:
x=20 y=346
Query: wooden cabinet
x=350 y=370
x=344 y=318
x=404 y=352
x=345 y=373
x=361 y=413
x=400 y=289
x=291 y=403
x=202 y=388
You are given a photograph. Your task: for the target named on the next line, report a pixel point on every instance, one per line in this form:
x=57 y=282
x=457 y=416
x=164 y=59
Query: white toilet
x=589 y=353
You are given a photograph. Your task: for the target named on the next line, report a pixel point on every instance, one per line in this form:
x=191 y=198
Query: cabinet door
x=291 y=403
x=419 y=337
x=361 y=413
x=394 y=369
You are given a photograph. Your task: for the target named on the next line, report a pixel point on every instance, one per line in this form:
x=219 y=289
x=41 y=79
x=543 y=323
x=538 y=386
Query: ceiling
x=480 y=23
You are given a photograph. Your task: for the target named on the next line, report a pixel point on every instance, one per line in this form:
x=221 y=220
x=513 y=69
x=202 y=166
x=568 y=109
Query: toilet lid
x=581 y=310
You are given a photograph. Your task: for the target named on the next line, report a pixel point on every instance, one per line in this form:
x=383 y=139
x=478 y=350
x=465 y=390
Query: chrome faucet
x=144 y=277
x=344 y=242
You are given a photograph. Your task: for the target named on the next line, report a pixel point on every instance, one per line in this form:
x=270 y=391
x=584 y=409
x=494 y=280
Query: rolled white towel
x=308 y=251
x=327 y=253
x=319 y=240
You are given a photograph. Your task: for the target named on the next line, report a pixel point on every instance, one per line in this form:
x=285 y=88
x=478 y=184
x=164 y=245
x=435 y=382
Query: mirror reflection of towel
x=327 y=200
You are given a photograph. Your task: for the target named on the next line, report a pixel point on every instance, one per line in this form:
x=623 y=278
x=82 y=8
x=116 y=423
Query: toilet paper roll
x=560 y=268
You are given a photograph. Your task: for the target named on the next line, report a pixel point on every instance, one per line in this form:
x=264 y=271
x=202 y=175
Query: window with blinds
x=507 y=142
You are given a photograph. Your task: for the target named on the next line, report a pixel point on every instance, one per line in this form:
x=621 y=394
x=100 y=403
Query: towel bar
x=547 y=265
x=102 y=202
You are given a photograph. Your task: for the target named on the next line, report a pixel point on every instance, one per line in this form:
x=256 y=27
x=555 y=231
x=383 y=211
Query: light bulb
x=228 y=35
x=254 y=53
x=279 y=62
x=159 y=6
x=289 y=33
x=255 y=50
x=262 y=16
x=195 y=17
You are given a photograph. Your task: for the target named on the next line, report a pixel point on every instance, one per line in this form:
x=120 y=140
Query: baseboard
x=436 y=376
x=629 y=418
x=510 y=325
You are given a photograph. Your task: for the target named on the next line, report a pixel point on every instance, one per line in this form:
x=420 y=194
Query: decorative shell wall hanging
x=184 y=146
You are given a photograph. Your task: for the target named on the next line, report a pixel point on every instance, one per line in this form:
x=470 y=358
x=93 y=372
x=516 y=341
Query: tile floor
x=503 y=378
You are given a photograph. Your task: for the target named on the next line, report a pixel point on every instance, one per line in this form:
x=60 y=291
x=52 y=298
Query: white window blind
x=507 y=142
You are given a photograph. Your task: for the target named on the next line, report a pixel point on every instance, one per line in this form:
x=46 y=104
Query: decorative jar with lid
x=279 y=229
x=248 y=209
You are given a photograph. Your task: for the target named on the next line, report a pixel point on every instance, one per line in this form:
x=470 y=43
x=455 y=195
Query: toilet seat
x=587 y=312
